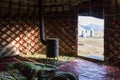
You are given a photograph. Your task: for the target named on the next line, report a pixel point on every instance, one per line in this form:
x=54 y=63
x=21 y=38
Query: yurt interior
x=56 y=40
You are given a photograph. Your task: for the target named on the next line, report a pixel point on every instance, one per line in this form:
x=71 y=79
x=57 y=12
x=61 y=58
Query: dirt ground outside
x=91 y=47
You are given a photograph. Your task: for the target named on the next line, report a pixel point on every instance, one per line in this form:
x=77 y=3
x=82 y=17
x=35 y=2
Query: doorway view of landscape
x=91 y=37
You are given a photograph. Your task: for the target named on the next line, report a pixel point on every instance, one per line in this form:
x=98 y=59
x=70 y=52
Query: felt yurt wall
x=112 y=33
x=19 y=27
x=61 y=22
x=63 y=26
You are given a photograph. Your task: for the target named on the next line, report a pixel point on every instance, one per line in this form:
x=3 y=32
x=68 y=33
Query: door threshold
x=93 y=59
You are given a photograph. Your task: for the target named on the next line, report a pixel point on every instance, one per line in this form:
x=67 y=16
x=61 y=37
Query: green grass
x=90 y=46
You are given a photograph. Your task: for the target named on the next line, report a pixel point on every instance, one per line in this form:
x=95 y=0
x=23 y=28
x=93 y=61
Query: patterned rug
x=86 y=70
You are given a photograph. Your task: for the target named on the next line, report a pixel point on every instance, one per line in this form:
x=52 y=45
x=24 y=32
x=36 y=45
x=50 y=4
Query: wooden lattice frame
x=23 y=33
x=62 y=30
x=114 y=40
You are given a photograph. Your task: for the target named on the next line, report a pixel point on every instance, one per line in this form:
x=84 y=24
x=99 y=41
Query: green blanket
x=13 y=74
x=33 y=71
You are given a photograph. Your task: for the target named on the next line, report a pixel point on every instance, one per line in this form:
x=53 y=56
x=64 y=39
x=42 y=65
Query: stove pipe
x=41 y=27
x=52 y=44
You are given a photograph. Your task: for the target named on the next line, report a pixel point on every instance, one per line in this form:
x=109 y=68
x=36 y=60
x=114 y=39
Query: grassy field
x=90 y=47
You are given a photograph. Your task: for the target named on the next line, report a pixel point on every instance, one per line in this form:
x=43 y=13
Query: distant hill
x=96 y=27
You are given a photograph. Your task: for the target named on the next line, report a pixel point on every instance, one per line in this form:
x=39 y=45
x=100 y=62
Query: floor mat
x=86 y=70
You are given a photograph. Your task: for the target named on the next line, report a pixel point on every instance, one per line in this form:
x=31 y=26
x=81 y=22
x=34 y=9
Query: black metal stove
x=52 y=48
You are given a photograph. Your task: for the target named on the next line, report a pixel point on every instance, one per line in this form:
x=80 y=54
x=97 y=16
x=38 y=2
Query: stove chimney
x=41 y=27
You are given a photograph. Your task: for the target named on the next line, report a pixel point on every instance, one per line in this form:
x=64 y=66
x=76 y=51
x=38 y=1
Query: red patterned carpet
x=86 y=70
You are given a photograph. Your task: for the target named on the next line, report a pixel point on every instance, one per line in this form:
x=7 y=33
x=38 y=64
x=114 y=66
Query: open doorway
x=91 y=37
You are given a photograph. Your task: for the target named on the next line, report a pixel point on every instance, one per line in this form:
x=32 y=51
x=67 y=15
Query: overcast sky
x=85 y=20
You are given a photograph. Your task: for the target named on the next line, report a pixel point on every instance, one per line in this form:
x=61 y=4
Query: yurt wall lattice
x=65 y=30
x=112 y=34
x=113 y=55
x=20 y=26
x=22 y=34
